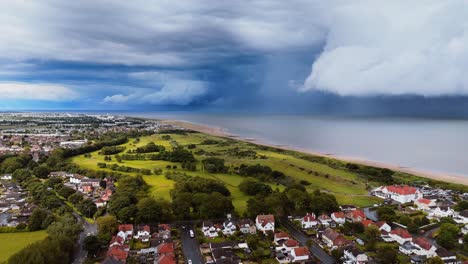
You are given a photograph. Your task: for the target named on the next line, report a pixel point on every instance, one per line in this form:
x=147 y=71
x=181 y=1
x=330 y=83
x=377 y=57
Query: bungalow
x=229 y=227
x=338 y=217
x=424 y=247
x=442 y=211
x=324 y=220
x=125 y=231
x=333 y=239
x=401 y=193
x=300 y=254
x=309 y=221
x=353 y=255
x=383 y=226
x=210 y=230
x=401 y=236
x=424 y=204
x=247 y=226
x=265 y=223
x=355 y=215
x=447 y=256
x=143 y=233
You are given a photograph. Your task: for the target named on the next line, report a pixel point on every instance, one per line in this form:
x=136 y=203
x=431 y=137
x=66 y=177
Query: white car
x=192 y=234
x=189 y=261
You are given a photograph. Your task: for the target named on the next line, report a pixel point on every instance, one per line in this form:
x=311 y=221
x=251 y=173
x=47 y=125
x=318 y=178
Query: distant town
x=114 y=189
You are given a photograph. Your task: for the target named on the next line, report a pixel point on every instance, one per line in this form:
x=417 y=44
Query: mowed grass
x=346 y=186
x=10 y=243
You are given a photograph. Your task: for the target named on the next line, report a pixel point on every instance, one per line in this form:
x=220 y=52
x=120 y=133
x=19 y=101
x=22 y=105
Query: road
x=190 y=246
x=315 y=249
x=80 y=253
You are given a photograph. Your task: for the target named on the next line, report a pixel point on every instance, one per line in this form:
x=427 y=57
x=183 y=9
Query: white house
x=338 y=217
x=442 y=211
x=209 y=229
x=6 y=177
x=401 y=236
x=424 y=247
x=464 y=229
x=300 y=254
x=143 y=233
x=383 y=226
x=280 y=237
x=125 y=231
x=309 y=221
x=228 y=227
x=265 y=223
x=407 y=248
x=461 y=218
x=424 y=204
x=353 y=255
x=400 y=193
x=76 y=179
x=324 y=220
x=247 y=226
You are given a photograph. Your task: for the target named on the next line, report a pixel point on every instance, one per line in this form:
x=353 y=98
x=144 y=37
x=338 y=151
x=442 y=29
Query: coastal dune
x=220 y=132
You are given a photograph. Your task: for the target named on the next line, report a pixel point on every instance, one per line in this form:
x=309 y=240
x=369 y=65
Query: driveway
x=190 y=246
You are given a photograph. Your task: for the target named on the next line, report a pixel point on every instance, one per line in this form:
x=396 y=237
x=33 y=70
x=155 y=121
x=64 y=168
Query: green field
x=10 y=243
x=346 y=186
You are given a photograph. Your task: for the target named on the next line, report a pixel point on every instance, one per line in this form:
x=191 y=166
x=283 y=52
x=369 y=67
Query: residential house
x=447 y=256
x=125 y=231
x=300 y=254
x=119 y=253
x=93 y=182
x=166 y=259
x=309 y=221
x=383 y=227
x=407 y=248
x=462 y=217
x=338 y=217
x=100 y=203
x=280 y=237
x=424 y=247
x=400 y=193
x=367 y=223
x=164 y=231
x=353 y=255
x=442 y=211
x=324 y=220
x=355 y=215
x=247 y=226
x=6 y=177
x=334 y=239
x=76 y=179
x=210 y=229
x=229 y=227
x=401 y=236
x=265 y=223
x=464 y=229
x=424 y=204
x=143 y=233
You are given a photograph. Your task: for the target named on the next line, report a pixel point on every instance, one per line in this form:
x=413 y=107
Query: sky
x=298 y=56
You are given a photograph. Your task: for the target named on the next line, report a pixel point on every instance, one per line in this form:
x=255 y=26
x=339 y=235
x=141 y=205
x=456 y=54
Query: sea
x=432 y=145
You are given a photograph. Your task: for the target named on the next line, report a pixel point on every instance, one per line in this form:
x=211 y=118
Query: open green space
x=348 y=187
x=10 y=243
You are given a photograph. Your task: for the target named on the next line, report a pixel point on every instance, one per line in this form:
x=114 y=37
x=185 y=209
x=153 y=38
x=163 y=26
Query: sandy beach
x=220 y=132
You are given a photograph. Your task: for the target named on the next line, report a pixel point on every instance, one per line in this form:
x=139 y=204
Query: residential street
x=315 y=249
x=91 y=229
x=190 y=246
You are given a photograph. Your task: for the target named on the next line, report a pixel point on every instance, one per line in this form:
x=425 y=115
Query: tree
x=107 y=225
x=36 y=219
x=387 y=254
x=386 y=213
x=252 y=187
x=91 y=244
x=462 y=205
x=149 y=211
x=447 y=237
x=75 y=198
x=435 y=260
x=41 y=171
x=87 y=207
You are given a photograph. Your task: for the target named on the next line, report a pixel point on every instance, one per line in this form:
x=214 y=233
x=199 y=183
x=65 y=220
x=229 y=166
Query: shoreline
x=220 y=132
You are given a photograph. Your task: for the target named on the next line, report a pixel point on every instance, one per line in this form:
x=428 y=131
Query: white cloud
x=394 y=48
x=36 y=91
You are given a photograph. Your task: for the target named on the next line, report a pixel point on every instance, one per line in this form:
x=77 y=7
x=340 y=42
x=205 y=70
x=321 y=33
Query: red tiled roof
x=166 y=259
x=402 y=190
x=291 y=243
x=324 y=217
x=118 y=252
x=309 y=218
x=166 y=248
x=301 y=251
x=147 y=228
x=164 y=227
x=423 y=243
x=265 y=219
x=367 y=222
x=125 y=228
x=380 y=224
x=401 y=233
x=424 y=201
x=281 y=235
x=338 y=215
x=116 y=239
x=341 y=241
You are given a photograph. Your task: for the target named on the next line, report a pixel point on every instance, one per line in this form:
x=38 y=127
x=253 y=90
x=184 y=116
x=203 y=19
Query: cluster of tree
x=123 y=168
x=237 y=152
x=214 y=165
x=150 y=147
x=294 y=200
x=200 y=198
x=388 y=214
x=383 y=175
x=448 y=235
x=209 y=142
x=178 y=154
x=261 y=172
x=12 y=163
x=56 y=248
x=111 y=150
x=251 y=186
